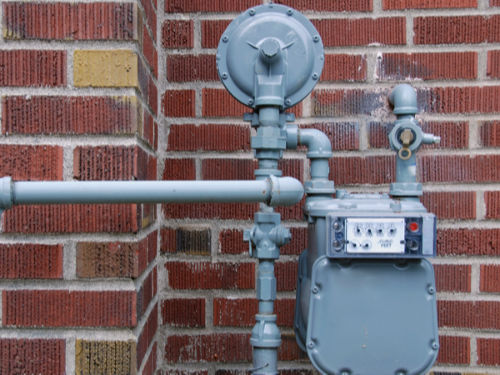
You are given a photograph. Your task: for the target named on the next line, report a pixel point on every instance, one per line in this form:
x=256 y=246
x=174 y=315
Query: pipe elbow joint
x=404 y=99
x=317 y=143
x=285 y=191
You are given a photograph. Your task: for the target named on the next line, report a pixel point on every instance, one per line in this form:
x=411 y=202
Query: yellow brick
x=105 y=357
x=116 y=68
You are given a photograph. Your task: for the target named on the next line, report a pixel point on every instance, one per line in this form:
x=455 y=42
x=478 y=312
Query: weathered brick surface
x=178 y=103
x=492 y=200
x=121 y=218
x=490 y=278
x=178 y=34
x=229 y=169
x=490 y=134
x=209 y=137
x=448 y=100
x=344 y=68
x=286 y=275
x=229 y=312
x=469 y=314
x=180 y=312
x=211 y=32
x=468 y=242
x=150 y=14
x=347 y=102
x=115 y=259
x=69 y=115
x=147 y=335
x=493 y=69
x=214 y=347
x=150 y=130
x=149 y=50
x=362 y=170
x=453 y=134
x=112 y=163
x=30 y=68
x=454 y=350
x=193 y=241
x=146 y=293
x=361 y=31
x=188 y=68
x=179 y=6
x=231 y=242
x=342 y=135
x=428 y=66
x=63 y=308
x=453 y=278
x=459 y=168
x=329 y=5
x=31 y=261
x=455 y=205
x=179 y=169
x=488 y=351
x=101 y=357
x=444 y=30
x=425 y=4
x=150 y=367
x=70 y=21
x=183 y=275
x=494 y=3
x=223 y=211
x=31 y=163
x=32 y=356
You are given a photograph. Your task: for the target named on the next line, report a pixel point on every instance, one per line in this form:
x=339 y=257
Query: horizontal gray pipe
x=275 y=191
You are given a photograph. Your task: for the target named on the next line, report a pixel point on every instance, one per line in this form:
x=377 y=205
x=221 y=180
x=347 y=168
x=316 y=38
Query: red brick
x=63 y=308
x=146 y=337
x=223 y=211
x=152 y=95
x=152 y=246
x=31 y=163
x=179 y=169
x=453 y=278
x=213 y=347
x=31 y=261
x=28 y=68
x=286 y=275
x=150 y=14
x=92 y=218
x=472 y=242
x=70 y=21
x=492 y=69
x=469 y=314
x=329 y=5
x=488 y=352
x=180 y=312
x=454 y=350
x=147 y=292
x=183 y=372
x=187 y=240
x=459 y=168
x=490 y=278
x=149 y=51
x=241 y=312
x=150 y=130
x=362 y=170
x=494 y=3
x=69 y=115
x=189 y=68
x=111 y=163
x=150 y=367
x=448 y=100
x=211 y=32
x=342 y=135
x=209 y=137
x=492 y=200
x=453 y=205
x=362 y=31
x=292 y=212
x=32 y=356
x=289 y=350
x=344 y=67
x=182 y=275
x=178 y=103
x=453 y=134
x=178 y=34
x=220 y=103
x=192 y=6
x=347 y=102
x=490 y=134
x=428 y=66
x=458 y=29
x=229 y=169
x=425 y=4
x=114 y=259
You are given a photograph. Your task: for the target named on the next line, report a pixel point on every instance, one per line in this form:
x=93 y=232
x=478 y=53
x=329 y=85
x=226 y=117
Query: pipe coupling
x=285 y=191
x=6 y=193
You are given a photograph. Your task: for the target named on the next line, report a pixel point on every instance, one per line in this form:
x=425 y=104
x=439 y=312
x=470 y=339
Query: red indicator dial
x=413 y=227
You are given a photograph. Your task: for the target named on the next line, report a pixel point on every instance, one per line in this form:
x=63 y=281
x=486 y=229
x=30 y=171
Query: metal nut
x=224 y=75
x=310 y=345
x=435 y=346
x=315 y=76
x=431 y=290
x=315 y=290
x=316 y=38
x=250 y=101
x=225 y=38
x=288 y=101
x=289 y=12
x=252 y=12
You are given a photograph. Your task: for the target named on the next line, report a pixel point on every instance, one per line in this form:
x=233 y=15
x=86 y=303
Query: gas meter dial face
x=381 y=236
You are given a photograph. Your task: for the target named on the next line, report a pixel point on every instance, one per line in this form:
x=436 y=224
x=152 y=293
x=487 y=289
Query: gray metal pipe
x=284 y=191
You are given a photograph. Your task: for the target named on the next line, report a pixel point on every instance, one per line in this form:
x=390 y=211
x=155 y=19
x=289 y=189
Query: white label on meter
x=371 y=235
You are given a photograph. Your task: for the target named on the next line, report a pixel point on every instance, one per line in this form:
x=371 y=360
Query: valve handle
x=406 y=137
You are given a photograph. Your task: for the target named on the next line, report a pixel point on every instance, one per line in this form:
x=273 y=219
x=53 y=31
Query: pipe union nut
x=6 y=193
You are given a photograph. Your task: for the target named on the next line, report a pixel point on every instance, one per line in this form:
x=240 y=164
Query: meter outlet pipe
x=273 y=191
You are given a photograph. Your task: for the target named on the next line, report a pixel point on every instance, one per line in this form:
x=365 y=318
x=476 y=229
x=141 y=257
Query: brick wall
x=129 y=91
